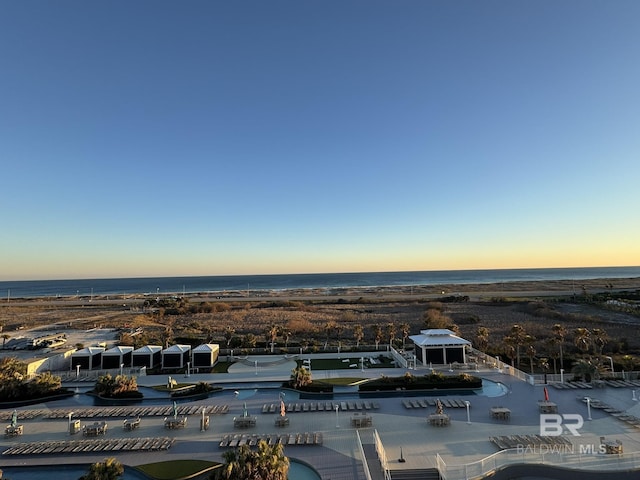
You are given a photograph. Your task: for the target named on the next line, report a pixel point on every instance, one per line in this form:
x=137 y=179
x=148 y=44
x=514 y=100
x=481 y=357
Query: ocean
x=252 y=283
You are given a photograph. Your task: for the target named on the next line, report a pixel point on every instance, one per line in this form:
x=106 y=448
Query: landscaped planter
x=426 y=382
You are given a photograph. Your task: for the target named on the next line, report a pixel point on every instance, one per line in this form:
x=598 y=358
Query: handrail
x=588 y=458
x=365 y=464
x=382 y=455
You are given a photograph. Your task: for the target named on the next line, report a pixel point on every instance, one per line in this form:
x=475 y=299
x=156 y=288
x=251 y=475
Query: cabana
x=149 y=356
x=205 y=355
x=439 y=346
x=176 y=356
x=87 y=358
x=116 y=356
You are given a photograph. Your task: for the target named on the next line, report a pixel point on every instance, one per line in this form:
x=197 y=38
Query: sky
x=162 y=138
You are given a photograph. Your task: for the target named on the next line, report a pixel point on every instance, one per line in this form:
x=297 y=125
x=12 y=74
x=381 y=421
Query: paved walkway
x=339 y=457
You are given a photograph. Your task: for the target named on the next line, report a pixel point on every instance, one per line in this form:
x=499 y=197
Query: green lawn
x=176 y=469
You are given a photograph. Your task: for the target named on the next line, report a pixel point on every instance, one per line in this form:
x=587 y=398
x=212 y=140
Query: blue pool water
x=301 y=471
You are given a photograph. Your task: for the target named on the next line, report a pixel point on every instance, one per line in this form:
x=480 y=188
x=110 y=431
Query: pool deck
x=339 y=456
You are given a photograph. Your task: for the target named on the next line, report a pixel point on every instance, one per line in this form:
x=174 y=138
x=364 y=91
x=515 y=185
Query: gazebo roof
x=119 y=350
x=437 y=337
x=88 y=351
x=177 y=349
x=207 y=347
x=147 y=349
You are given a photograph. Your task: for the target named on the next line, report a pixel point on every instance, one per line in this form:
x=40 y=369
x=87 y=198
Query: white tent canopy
x=439 y=346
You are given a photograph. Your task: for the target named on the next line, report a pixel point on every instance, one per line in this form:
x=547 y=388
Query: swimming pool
x=63 y=472
x=299 y=470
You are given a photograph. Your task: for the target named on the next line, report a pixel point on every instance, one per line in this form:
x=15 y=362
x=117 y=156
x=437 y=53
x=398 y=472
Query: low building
x=176 y=356
x=439 y=346
x=116 y=357
x=89 y=358
x=205 y=355
x=149 y=356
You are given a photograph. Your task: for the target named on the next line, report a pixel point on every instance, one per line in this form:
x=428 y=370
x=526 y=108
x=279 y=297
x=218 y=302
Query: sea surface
x=253 y=283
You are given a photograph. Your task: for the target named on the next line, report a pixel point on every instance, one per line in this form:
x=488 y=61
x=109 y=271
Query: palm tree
x=391 y=331
x=377 y=334
x=559 y=332
x=285 y=333
x=267 y=463
x=300 y=377
x=228 y=334
x=544 y=365
x=482 y=338
x=272 y=334
x=531 y=351
x=329 y=327
x=599 y=339
x=582 y=339
x=552 y=343
x=358 y=334
x=517 y=337
x=405 y=329
x=586 y=370
x=110 y=469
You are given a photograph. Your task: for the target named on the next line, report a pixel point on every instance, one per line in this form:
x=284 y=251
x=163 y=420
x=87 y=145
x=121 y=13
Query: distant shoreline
x=532 y=288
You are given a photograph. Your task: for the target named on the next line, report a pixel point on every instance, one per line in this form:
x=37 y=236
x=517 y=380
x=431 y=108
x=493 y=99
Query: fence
x=382 y=455
x=587 y=458
x=365 y=464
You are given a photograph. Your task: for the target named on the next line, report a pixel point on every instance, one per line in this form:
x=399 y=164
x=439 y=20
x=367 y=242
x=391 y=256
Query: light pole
x=188 y=365
x=256 y=364
x=611 y=363
x=70 y=415
x=468 y=404
x=362 y=364
x=121 y=367
x=589 y=407
x=77 y=370
x=562 y=375
x=337 y=423
x=634 y=396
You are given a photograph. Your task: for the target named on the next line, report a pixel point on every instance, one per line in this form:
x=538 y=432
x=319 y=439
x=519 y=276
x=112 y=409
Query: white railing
x=365 y=465
x=587 y=459
x=492 y=362
x=382 y=455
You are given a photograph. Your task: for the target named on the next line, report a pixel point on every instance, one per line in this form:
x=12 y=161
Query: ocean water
x=253 y=283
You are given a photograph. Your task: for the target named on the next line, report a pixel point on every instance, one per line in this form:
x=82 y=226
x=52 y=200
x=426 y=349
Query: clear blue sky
x=142 y=138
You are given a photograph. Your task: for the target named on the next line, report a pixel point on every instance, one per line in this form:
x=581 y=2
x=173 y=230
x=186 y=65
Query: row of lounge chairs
x=430 y=402
x=85 y=446
x=572 y=385
x=6 y=415
x=320 y=406
x=157 y=411
x=631 y=420
x=506 y=442
x=622 y=383
x=236 y=440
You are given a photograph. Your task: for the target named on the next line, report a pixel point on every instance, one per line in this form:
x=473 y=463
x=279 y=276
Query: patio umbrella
x=283 y=410
x=546 y=394
x=14 y=418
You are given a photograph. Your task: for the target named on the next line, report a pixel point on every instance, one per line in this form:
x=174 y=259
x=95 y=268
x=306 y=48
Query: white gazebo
x=439 y=346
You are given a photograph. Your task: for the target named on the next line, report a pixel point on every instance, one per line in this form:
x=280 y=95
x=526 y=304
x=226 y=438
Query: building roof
x=438 y=337
x=207 y=347
x=147 y=349
x=119 y=350
x=177 y=349
x=88 y=351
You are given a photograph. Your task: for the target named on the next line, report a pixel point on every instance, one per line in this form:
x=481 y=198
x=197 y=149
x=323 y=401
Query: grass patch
x=176 y=469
